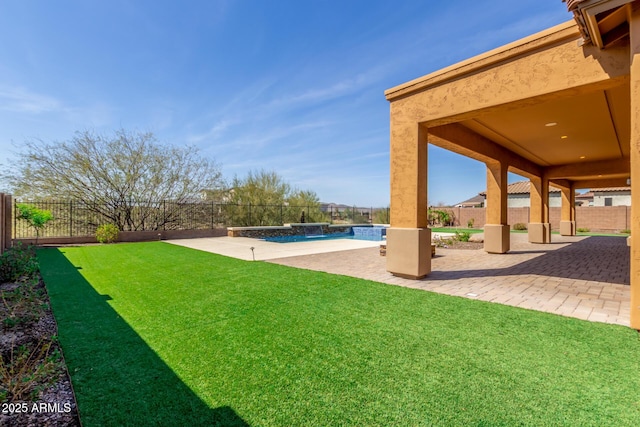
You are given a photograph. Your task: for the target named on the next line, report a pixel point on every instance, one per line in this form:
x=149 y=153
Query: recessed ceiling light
x=582 y=157
x=564 y=137
x=550 y=124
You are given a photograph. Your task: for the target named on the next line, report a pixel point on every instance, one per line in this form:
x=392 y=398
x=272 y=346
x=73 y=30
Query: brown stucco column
x=568 y=211
x=539 y=229
x=634 y=29
x=496 y=229
x=408 y=238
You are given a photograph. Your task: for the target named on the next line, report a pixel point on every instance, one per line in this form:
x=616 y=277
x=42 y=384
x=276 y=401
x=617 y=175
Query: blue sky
x=292 y=86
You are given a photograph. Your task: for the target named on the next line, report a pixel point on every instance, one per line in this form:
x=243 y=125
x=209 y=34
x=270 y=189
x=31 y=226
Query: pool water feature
x=313 y=231
x=369 y=233
x=357 y=233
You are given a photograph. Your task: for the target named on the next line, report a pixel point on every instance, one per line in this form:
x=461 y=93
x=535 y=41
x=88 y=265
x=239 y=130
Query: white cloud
x=20 y=100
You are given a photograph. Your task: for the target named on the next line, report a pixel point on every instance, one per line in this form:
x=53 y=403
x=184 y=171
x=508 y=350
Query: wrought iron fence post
x=70 y=218
x=281 y=216
x=250 y=214
x=164 y=214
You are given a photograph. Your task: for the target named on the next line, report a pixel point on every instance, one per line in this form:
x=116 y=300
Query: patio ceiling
x=591 y=127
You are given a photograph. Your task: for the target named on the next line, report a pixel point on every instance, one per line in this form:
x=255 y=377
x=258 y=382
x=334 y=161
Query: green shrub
x=470 y=223
x=519 y=226
x=36 y=218
x=625 y=231
x=107 y=233
x=463 y=236
x=18 y=261
x=582 y=230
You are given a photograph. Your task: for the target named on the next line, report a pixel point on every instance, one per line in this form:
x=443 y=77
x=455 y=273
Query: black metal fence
x=77 y=218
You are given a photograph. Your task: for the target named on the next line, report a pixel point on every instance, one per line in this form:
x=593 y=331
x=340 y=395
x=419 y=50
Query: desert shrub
x=582 y=230
x=107 y=233
x=519 y=226
x=463 y=236
x=25 y=368
x=441 y=242
x=625 y=231
x=18 y=261
x=470 y=223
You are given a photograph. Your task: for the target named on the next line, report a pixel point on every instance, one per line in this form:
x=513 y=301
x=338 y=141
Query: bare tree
x=125 y=177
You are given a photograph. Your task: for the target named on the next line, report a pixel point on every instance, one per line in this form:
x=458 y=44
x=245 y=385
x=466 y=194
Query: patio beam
x=589 y=169
x=462 y=140
x=601 y=183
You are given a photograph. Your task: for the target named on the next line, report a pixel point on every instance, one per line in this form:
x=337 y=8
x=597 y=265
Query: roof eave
x=550 y=36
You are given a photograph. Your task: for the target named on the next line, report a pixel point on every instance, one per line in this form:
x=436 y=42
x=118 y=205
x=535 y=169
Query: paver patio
x=582 y=277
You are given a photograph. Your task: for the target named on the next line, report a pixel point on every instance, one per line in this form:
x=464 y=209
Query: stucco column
x=539 y=227
x=634 y=29
x=408 y=238
x=568 y=211
x=496 y=228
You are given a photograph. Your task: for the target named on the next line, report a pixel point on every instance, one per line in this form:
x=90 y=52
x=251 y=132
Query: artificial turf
x=156 y=334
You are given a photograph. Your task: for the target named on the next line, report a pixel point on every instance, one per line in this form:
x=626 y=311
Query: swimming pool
x=332 y=236
x=290 y=239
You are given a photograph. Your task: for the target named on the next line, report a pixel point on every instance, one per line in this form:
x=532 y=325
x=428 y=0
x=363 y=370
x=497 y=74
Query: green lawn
x=156 y=334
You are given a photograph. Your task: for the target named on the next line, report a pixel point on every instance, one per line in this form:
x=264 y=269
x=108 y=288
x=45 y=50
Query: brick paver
x=582 y=277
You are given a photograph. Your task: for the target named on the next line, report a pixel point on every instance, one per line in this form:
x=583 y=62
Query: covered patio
x=561 y=106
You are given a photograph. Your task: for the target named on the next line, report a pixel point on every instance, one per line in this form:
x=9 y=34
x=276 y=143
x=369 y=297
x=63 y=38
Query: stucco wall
x=133 y=236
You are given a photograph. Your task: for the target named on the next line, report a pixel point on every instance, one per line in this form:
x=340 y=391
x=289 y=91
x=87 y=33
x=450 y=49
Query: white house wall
x=523 y=200
x=617 y=198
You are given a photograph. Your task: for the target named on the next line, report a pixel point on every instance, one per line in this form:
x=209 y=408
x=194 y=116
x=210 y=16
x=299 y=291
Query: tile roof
x=476 y=200
x=523 y=187
x=612 y=189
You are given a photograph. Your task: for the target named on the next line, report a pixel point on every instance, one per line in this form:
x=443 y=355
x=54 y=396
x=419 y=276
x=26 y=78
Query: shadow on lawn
x=117 y=377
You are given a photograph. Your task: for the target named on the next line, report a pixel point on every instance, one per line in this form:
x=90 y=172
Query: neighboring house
x=613 y=196
x=474 y=202
x=518 y=195
x=584 y=199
